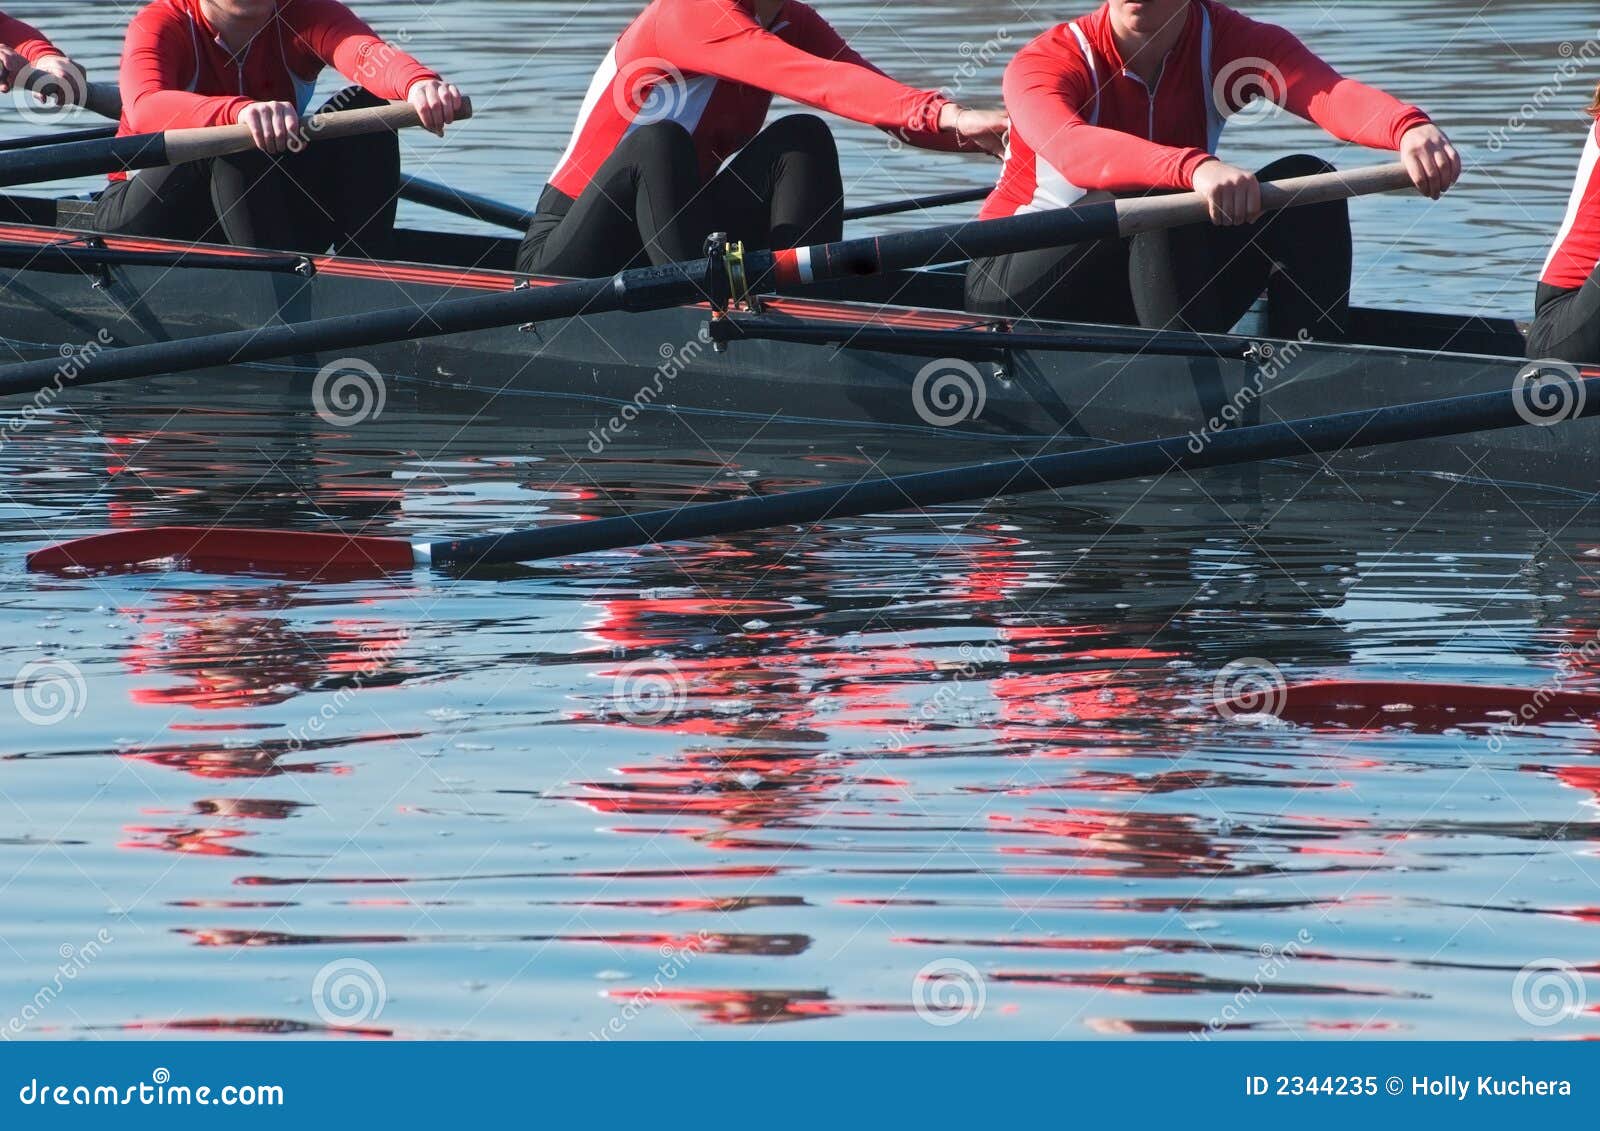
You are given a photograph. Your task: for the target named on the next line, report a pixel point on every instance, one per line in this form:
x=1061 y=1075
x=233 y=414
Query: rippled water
x=849 y=782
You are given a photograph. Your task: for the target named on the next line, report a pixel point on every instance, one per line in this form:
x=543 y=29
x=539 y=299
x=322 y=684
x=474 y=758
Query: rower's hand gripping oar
x=262 y=549
x=717 y=279
x=175 y=147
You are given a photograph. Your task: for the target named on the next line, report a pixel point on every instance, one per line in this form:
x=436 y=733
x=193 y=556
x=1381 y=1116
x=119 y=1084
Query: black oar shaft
x=34 y=141
x=647 y=289
x=432 y=194
x=82 y=159
x=918 y=203
x=1363 y=429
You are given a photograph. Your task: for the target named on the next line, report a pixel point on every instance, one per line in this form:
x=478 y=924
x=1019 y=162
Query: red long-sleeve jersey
x=25 y=39
x=176 y=74
x=1575 y=253
x=1080 y=121
x=712 y=67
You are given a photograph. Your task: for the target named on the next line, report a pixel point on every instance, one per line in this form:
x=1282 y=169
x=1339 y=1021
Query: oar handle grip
x=219 y=141
x=1148 y=214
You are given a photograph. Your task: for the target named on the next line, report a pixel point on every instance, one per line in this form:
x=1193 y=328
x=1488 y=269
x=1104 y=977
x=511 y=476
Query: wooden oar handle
x=1148 y=214
x=219 y=141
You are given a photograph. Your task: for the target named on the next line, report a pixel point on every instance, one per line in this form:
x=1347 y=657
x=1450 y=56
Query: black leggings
x=332 y=193
x=1199 y=277
x=647 y=203
x=1566 y=323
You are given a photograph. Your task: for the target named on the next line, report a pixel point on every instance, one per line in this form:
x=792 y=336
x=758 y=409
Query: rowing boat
x=894 y=352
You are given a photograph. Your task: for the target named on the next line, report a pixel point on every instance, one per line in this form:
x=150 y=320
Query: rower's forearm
x=156 y=111
x=25 y=39
x=1364 y=115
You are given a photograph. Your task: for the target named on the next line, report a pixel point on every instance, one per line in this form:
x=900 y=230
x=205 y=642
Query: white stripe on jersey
x=599 y=87
x=1580 y=188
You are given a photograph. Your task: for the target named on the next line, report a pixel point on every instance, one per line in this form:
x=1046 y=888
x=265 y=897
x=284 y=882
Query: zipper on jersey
x=1149 y=97
x=1150 y=101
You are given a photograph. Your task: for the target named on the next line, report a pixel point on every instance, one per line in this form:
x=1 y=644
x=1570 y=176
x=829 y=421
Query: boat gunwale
x=842 y=311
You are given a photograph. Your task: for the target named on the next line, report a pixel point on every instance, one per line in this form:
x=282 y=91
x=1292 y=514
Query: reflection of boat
x=839 y=356
x=224 y=655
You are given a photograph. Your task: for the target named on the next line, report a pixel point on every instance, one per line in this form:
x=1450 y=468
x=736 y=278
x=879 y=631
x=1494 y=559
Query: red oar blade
x=1370 y=704
x=229 y=548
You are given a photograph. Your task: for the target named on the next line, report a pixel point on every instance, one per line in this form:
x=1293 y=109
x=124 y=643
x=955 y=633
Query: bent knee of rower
x=657 y=139
x=1297 y=165
x=803 y=130
x=352 y=98
x=251 y=164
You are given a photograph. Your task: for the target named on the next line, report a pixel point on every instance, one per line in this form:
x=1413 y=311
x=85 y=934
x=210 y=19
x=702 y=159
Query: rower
x=687 y=87
x=21 y=45
x=1566 y=321
x=1132 y=99
x=189 y=63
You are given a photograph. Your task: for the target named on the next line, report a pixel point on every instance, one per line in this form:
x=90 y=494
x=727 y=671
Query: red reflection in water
x=758 y=1007
x=1172 y=781
x=1129 y=1026
x=708 y=942
x=730 y=872
x=223 y=650
x=203 y=841
x=1162 y=982
x=746 y=790
x=254 y=1026
x=1160 y=845
x=192 y=842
